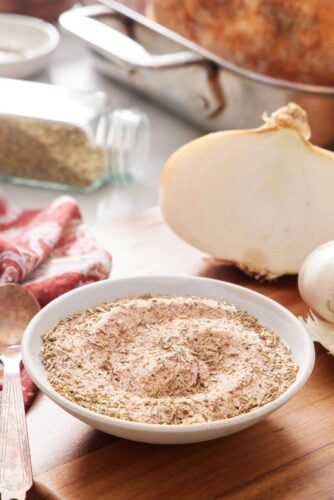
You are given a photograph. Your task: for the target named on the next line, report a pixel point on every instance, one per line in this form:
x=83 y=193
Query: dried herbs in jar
x=51 y=137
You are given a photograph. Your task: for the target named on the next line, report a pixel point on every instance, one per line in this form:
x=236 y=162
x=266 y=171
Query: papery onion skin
x=320 y=331
x=316 y=281
x=261 y=199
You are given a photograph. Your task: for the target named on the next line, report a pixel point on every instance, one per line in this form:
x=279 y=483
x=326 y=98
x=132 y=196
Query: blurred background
x=44 y=9
x=204 y=67
x=72 y=65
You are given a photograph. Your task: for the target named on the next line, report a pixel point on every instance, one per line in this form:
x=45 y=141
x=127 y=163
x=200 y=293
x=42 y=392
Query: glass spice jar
x=56 y=138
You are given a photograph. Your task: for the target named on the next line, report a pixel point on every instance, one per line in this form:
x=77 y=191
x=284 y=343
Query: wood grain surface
x=289 y=455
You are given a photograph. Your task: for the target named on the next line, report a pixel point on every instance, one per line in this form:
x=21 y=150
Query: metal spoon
x=17 y=308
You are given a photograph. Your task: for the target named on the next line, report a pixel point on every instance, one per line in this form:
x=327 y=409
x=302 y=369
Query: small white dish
x=268 y=312
x=25 y=45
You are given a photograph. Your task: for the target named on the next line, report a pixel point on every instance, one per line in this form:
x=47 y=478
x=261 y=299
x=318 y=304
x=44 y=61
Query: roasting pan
x=201 y=87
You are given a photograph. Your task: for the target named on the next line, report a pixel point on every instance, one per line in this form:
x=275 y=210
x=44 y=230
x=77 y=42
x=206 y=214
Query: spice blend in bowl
x=167 y=360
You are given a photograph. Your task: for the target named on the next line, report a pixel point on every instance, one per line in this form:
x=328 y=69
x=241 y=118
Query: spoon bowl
x=17 y=307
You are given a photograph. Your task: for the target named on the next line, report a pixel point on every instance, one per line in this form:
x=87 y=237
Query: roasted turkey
x=289 y=39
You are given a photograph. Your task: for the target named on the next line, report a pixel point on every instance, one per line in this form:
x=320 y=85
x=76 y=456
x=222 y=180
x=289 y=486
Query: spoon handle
x=15 y=470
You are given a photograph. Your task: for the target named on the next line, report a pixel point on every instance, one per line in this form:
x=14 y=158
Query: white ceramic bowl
x=26 y=44
x=269 y=313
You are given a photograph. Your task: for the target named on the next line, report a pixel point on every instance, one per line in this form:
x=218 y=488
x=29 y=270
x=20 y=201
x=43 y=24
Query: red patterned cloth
x=49 y=251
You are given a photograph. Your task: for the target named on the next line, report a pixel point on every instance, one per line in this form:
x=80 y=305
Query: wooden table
x=288 y=455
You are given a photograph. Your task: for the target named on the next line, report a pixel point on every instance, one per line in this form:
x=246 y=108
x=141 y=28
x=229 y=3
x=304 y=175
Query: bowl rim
x=32 y=54
x=76 y=409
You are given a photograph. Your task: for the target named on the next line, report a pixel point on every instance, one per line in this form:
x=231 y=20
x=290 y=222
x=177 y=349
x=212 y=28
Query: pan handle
x=114 y=44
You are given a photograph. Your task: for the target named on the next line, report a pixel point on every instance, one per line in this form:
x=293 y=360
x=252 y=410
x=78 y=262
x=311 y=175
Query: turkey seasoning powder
x=167 y=360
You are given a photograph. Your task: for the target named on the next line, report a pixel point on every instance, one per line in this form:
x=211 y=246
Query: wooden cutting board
x=289 y=455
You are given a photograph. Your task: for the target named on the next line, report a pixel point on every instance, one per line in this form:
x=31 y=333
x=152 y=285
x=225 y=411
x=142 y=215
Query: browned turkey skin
x=289 y=39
